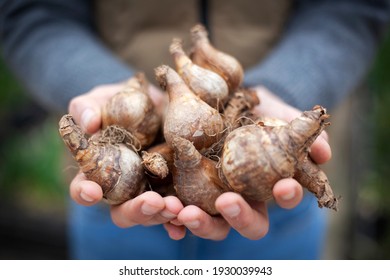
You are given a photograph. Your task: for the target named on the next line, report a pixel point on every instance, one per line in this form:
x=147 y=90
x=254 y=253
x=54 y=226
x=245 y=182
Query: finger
x=172 y=208
x=85 y=192
x=320 y=151
x=251 y=221
x=202 y=224
x=141 y=210
x=288 y=193
x=175 y=232
x=86 y=108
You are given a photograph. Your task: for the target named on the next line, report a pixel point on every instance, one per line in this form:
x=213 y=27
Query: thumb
x=86 y=109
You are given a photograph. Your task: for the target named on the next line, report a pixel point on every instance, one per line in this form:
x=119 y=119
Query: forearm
x=326 y=52
x=54 y=51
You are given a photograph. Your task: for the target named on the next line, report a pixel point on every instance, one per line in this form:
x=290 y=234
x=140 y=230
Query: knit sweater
x=325 y=52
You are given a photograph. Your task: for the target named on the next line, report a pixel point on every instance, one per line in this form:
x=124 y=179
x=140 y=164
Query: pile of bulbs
x=207 y=141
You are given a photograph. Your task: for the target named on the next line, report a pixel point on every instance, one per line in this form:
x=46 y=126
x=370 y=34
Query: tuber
x=207 y=56
x=195 y=177
x=187 y=115
x=256 y=156
x=133 y=109
x=206 y=84
x=106 y=160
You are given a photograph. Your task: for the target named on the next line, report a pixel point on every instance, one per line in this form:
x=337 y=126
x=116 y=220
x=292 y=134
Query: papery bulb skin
x=133 y=109
x=195 y=177
x=207 y=56
x=187 y=115
x=114 y=166
x=206 y=84
x=256 y=156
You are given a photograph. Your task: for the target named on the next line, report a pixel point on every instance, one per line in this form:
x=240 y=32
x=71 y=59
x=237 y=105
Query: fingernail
x=167 y=214
x=148 y=209
x=86 y=117
x=193 y=224
x=288 y=196
x=232 y=210
x=86 y=197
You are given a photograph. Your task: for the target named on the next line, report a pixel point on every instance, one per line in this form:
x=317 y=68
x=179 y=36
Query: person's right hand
x=149 y=208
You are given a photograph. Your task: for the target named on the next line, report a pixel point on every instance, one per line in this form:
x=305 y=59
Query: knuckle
x=242 y=223
x=73 y=104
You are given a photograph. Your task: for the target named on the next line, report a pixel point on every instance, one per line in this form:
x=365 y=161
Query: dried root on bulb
x=237 y=113
x=238 y=110
x=105 y=160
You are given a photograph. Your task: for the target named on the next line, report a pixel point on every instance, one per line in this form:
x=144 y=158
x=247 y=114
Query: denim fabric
x=293 y=234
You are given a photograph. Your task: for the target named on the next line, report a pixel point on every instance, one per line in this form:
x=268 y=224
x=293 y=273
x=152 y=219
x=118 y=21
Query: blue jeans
x=294 y=234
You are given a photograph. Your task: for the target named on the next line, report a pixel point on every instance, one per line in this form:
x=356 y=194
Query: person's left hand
x=250 y=219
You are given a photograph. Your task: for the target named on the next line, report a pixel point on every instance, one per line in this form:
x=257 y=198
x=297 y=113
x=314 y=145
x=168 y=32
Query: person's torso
x=140 y=32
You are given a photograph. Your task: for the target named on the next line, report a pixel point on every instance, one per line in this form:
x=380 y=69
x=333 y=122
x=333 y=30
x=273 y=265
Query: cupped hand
x=86 y=108
x=250 y=219
x=149 y=208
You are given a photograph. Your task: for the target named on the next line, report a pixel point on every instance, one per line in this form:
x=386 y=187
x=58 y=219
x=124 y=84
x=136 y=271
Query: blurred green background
x=33 y=168
x=32 y=182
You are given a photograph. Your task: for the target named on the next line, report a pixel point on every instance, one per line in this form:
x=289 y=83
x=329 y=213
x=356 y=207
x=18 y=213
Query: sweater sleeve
x=51 y=47
x=326 y=52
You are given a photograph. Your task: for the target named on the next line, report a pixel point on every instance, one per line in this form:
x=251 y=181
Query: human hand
x=86 y=108
x=250 y=219
x=147 y=209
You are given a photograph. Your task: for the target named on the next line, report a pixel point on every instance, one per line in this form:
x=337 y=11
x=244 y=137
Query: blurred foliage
x=380 y=82
x=10 y=91
x=30 y=148
x=374 y=197
x=33 y=161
